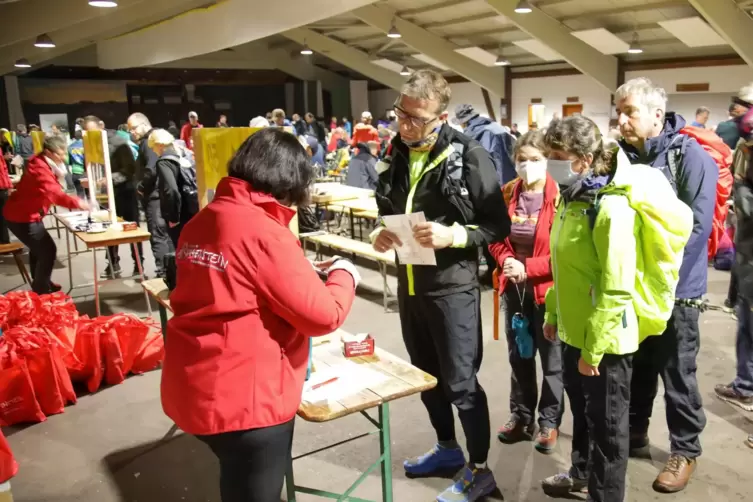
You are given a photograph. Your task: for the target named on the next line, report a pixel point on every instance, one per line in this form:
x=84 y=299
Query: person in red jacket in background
x=524 y=278
x=188 y=127
x=364 y=132
x=246 y=303
x=5 y=187
x=36 y=192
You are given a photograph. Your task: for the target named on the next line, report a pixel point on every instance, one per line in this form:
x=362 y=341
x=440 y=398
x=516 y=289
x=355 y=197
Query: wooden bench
x=355 y=248
x=17 y=250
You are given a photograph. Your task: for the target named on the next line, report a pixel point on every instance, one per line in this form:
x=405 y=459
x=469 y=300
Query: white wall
x=554 y=92
x=381 y=101
x=724 y=82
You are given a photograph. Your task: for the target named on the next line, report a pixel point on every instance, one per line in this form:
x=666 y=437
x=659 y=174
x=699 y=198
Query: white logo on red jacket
x=194 y=254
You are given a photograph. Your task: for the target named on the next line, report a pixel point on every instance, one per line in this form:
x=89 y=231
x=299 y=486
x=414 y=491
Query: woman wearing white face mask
x=617 y=245
x=525 y=275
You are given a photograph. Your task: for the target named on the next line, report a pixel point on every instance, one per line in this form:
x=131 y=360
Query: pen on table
x=331 y=380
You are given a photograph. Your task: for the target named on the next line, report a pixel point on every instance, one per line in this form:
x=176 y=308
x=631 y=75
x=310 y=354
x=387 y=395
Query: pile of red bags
x=46 y=346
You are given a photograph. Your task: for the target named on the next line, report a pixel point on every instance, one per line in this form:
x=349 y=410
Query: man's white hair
x=650 y=95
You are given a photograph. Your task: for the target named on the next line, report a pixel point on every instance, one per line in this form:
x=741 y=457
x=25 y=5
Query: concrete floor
x=108 y=447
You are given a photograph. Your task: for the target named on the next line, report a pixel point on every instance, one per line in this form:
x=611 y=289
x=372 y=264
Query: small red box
x=130 y=225
x=358 y=349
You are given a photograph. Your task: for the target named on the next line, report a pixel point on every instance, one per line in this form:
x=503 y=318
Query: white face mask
x=531 y=171
x=562 y=171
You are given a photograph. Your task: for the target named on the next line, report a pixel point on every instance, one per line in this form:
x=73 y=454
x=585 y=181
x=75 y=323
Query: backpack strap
x=675 y=154
x=455 y=161
x=593 y=211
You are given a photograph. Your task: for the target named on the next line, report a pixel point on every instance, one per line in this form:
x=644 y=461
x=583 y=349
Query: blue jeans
x=743 y=383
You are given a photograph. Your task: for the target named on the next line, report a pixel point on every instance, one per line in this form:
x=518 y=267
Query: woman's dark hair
x=533 y=138
x=580 y=136
x=274 y=162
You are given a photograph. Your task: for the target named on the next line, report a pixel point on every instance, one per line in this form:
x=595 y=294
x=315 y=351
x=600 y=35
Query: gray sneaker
x=562 y=484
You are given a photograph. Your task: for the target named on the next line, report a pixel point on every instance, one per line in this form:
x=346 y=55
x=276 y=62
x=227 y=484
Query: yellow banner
x=93 y=147
x=213 y=149
x=37 y=139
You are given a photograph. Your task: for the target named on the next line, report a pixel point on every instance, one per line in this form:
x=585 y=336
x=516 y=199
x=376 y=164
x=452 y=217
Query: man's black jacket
x=461 y=189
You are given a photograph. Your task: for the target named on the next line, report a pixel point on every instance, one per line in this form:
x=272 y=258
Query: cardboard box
x=355 y=347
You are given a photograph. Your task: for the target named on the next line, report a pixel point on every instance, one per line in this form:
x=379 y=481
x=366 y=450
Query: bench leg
x=22 y=268
x=141 y=274
x=96 y=281
x=385 y=448
x=385 y=289
x=68 y=252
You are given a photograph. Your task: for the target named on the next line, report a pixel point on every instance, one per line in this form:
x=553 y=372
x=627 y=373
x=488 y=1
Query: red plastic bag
x=132 y=334
x=151 y=353
x=64 y=378
x=87 y=350
x=8 y=465
x=18 y=403
x=112 y=356
x=44 y=379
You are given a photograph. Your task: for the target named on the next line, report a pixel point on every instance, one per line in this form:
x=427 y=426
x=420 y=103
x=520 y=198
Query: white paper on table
x=352 y=378
x=411 y=252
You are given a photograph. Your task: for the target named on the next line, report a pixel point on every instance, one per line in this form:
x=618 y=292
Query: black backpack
x=189 y=189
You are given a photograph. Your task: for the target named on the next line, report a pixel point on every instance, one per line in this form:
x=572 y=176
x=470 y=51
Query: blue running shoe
x=437 y=460
x=471 y=486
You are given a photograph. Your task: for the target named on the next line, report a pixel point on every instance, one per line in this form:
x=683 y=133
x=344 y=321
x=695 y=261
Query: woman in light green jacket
x=594 y=245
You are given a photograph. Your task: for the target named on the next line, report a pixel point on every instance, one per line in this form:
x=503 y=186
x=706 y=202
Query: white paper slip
x=333 y=383
x=411 y=252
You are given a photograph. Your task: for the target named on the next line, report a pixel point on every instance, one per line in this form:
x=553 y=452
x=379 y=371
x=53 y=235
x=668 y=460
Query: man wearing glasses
x=430 y=167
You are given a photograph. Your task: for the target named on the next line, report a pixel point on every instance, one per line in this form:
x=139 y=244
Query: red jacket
x=185 y=133
x=5 y=182
x=246 y=302
x=35 y=193
x=363 y=133
x=539 y=266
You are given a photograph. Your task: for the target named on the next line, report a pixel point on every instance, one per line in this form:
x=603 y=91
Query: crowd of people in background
x=563 y=213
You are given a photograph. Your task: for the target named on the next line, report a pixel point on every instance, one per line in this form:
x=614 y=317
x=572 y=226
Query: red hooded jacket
x=186 y=133
x=245 y=305
x=5 y=182
x=35 y=193
x=363 y=133
x=539 y=266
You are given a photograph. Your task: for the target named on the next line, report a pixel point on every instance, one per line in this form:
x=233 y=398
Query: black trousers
x=601 y=427
x=524 y=390
x=672 y=356
x=160 y=240
x=732 y=292
x=4 y=233
x=443 y=338
x=127 y=207
x=253 y=463
x=42 y=251
x=174 y=234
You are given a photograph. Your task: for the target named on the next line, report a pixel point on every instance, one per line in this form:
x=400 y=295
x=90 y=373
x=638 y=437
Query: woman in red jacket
x=525 y=276
x=6 y=185
x=36 y=192
x=245 y=304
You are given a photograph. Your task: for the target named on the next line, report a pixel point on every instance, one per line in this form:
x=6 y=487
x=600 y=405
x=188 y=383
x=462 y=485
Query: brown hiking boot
x=676 y=474
x=546 y=440
x=515 y=431
x=731 y=395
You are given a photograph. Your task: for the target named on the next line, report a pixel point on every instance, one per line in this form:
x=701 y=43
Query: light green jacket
x=614 y=283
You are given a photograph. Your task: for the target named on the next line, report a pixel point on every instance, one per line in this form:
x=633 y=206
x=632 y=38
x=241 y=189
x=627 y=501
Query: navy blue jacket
x=498 y=142
x=696 y=186
x=362 y=169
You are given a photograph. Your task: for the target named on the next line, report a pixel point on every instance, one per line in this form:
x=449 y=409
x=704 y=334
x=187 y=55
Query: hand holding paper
x=409 y=251
x=433 y=235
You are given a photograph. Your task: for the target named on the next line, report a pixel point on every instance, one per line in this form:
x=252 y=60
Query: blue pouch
x=308 y=368
x=523 y=338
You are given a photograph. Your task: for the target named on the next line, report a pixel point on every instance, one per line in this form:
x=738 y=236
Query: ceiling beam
x=548 y=30
x=77 y=36
x=491 y=79
x=346 y=56
x=731 y=23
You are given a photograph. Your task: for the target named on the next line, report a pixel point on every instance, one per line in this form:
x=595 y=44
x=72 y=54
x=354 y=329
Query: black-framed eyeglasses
x=417 y=122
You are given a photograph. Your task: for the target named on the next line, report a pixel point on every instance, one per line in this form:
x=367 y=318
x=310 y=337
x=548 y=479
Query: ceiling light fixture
x=23 y=63
x=306 y=50
x=405 y=71
x=501 y=61
x=635 y=47
x=44 y=41
x=103 y=3
x=393 y=33
x=523 y=7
